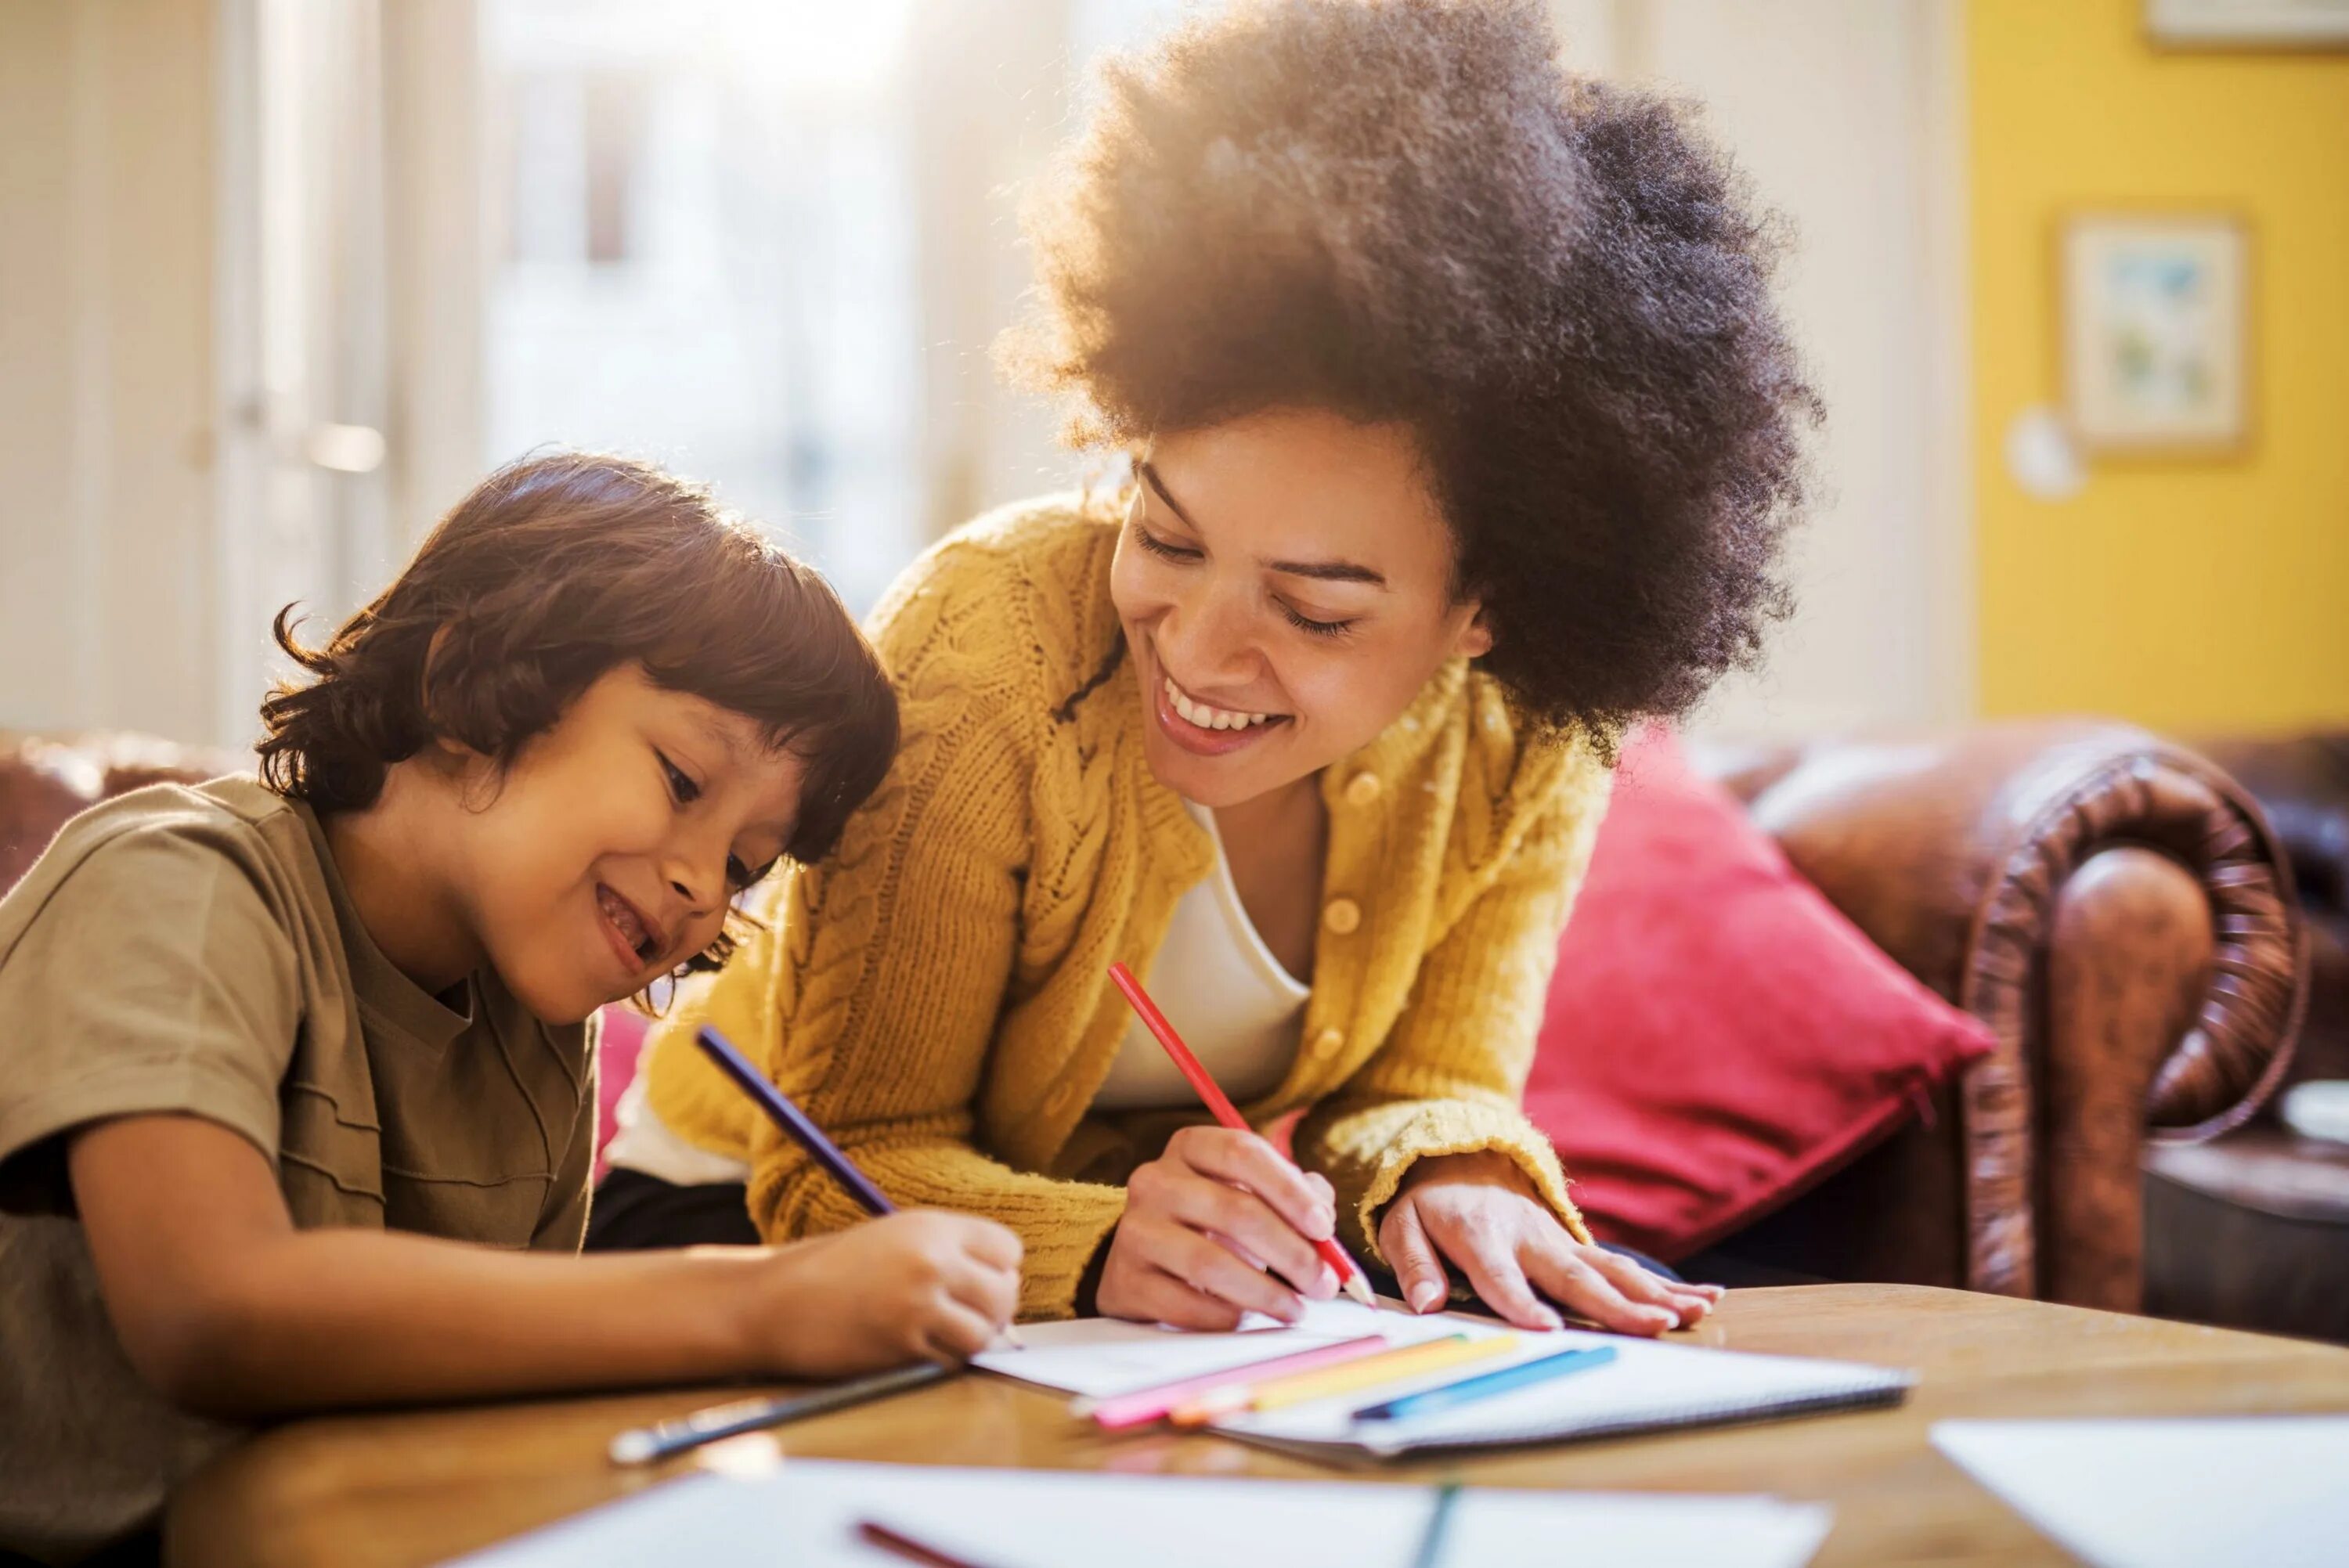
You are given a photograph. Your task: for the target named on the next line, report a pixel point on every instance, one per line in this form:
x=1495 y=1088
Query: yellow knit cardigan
x=936 y=994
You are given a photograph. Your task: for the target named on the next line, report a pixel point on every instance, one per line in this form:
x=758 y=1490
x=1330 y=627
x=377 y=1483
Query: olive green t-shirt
x=193 y=950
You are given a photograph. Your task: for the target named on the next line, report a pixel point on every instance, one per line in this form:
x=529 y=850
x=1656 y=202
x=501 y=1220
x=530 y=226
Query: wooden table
x=413 y=1488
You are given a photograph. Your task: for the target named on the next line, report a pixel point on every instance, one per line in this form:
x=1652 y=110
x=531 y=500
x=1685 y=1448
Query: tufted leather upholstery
x=2115 y=907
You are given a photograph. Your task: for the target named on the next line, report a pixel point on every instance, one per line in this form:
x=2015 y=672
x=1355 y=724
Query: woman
x=1463 y=433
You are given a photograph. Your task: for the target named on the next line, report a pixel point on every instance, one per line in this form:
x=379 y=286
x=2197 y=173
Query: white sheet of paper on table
x=2188 y=1492
x=806 y=1514
x=1100 y=1355
x=1647 y=1387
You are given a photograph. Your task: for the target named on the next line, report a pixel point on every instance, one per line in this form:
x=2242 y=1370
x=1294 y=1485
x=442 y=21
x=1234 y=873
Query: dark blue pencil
x=796 y=1122
x=792 y=1121
x=1486 y=1383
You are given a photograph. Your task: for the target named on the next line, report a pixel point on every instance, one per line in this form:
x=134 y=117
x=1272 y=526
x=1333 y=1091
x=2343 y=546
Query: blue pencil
x=800 y=1127
x=1486 y=1383
x=792 y=1121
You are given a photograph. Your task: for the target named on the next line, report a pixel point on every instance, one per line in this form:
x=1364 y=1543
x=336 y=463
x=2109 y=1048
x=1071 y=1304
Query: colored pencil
x=899 y=1544
x=803 y=1130
x=648 y=1445
x=1395 y=1366
x=1439 y=1525
x=794 y=1122
x=1350 y=1272
x=1485 y=1384
x=1141 y=1405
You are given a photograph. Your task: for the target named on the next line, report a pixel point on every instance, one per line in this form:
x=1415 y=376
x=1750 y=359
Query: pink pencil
x=1142 y=1406
x=1350 y=1272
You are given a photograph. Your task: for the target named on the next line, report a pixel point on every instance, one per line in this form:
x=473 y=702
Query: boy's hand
x=1204 y=1221
x=919 y=1285
x=1482 y=1212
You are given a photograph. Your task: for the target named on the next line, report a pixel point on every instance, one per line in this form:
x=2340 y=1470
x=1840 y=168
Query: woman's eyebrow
x=1321 y=570
x=1328 y=571
x=1158 y=488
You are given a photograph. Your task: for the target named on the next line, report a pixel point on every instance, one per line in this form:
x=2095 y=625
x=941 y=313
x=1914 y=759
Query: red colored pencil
x=1350 y=1272
x=897 y=1542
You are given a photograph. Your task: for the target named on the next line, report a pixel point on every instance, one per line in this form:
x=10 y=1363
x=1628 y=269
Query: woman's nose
x=1206 y=640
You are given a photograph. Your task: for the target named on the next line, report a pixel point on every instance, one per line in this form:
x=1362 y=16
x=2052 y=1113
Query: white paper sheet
x=806 y=1514
x=2270 y=1490
x=1101 y=1355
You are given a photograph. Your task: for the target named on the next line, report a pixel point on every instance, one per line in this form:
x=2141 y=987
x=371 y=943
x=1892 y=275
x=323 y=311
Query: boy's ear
x=1476 y=636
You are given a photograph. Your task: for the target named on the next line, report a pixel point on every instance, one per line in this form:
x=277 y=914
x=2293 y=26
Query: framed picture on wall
x=2250 y=24
x=2157 y=331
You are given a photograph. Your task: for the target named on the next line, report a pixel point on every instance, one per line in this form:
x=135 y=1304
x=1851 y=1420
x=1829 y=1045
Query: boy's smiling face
x=608 y=853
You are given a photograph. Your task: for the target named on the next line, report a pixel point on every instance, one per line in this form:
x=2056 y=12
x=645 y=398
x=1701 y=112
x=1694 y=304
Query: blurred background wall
x=2200 y=594
x=280 y=278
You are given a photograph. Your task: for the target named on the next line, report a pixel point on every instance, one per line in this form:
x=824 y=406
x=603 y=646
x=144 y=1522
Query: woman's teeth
x=1207 y=717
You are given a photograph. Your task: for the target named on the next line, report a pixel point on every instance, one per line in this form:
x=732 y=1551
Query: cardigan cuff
x=1459 y=1127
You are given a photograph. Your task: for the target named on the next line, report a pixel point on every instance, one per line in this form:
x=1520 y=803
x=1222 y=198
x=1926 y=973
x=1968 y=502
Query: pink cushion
x=1718 y=1037
x=619 y=1043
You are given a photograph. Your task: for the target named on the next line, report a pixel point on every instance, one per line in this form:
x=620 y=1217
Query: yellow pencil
x=1368 y=1372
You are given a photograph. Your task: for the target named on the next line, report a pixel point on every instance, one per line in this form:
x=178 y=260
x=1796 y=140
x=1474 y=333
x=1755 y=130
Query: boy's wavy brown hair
x=554 y=570
x=1406 y=210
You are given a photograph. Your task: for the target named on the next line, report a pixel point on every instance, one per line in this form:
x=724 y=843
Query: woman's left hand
x=1481 y=1212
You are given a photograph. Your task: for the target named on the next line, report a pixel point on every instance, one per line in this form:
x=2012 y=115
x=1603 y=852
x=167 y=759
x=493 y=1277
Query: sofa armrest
x=2119 y=912
x=48 y=779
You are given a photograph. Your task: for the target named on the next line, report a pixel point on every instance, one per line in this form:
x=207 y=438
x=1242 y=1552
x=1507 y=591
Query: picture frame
x=2249 y=23
x=2157 y=331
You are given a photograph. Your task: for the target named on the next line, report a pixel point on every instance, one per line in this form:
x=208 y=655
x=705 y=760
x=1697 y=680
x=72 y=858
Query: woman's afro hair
x=1406 y=210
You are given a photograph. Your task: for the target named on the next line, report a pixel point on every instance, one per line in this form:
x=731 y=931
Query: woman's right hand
x=1212 y=1228
x=919 y=1285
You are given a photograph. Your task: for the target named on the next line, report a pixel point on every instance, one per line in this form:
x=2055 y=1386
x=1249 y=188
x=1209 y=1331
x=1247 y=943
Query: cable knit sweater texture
x=936 y=994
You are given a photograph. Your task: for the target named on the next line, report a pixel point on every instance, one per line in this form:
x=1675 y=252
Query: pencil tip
x=1360 y=1289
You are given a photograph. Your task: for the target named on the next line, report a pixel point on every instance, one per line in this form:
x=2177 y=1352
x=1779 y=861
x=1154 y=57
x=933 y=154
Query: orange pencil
x=1350 y=1272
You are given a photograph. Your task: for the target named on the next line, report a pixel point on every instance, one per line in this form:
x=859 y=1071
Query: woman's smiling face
x=1285 y=585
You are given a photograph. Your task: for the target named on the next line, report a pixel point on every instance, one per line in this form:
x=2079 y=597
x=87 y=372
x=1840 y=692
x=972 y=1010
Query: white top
x=1224 y=992
x=1215 y=979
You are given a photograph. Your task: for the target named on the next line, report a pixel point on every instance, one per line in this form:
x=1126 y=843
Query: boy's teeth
x=621 y=915
x=1207 y=717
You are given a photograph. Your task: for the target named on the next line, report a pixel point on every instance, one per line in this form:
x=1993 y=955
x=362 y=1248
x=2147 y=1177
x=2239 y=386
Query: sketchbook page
x=805 y=1513
x=2188 y=1492
x=1646 y=1386
x=1097 y=1356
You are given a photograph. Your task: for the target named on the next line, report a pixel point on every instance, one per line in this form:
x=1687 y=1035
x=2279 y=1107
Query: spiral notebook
x=1648 y=1387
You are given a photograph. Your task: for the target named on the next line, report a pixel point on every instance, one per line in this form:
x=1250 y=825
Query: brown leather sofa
x=2117 y=910
x=2115 y=907
x=2252 y=1230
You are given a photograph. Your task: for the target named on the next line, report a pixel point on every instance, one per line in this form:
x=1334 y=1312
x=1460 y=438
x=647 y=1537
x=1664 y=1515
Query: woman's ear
x=1476 y=636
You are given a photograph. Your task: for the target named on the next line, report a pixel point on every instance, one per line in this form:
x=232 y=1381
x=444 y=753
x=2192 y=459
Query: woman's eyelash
x=686 y=790
x=1318 y=628
x=1159 y=547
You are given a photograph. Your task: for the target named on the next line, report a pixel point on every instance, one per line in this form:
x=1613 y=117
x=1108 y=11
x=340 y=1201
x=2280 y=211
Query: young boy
x=296 y=1104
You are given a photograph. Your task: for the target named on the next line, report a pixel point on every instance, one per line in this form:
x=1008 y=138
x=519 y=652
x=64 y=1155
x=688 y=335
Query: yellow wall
x=2191 y=595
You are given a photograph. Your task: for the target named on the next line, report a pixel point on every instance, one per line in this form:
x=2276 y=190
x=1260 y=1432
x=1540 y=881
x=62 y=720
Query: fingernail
x=1549 y=1320
x=1424 y=1294
x=1325 y=1284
